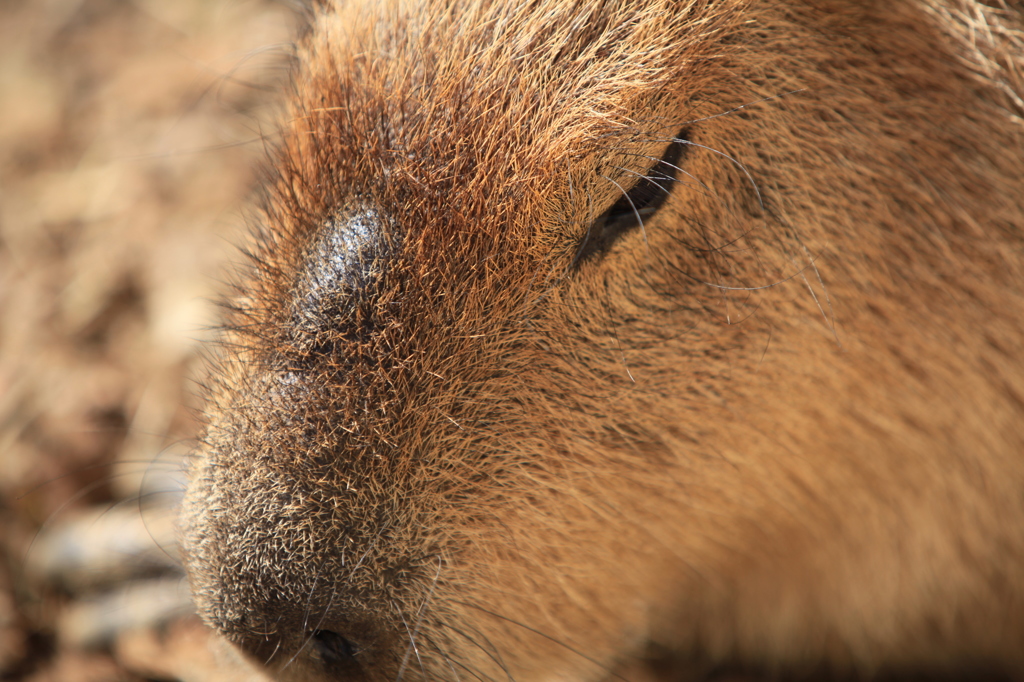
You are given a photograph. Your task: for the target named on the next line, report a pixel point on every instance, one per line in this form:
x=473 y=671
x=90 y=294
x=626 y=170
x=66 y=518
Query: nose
x=328 y=650
x=348 y=652
x=305 y=626
x=286 y=522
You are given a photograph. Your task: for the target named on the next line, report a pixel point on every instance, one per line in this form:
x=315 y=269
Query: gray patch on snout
x=341 y=267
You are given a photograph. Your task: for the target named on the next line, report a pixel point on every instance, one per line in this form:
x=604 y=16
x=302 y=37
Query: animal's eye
x=638 y=204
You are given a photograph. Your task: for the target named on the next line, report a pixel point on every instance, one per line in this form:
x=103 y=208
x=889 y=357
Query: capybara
x=574 y=330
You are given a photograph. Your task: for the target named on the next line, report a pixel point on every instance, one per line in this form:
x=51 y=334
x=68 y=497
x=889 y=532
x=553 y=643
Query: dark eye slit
x=642 y=201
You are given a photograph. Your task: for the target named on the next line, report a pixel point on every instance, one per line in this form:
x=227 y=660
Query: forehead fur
x=395 y=101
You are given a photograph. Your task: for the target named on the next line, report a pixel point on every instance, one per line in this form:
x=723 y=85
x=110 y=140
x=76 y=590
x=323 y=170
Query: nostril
x=332 y=647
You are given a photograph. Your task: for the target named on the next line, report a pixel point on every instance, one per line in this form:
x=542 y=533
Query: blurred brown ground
x=129 y=135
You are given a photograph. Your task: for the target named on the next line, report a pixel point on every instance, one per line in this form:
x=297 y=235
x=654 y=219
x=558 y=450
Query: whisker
x=757 y=190
x=148 y=463
x=495 y=656
x=80 y=494
x=547 y=637
x=744 y=106
x=373 y=543
x=309 y=599
x=411 y=648
x=829 y=317
x=676 y=168
x=277 y=647
x=640 y=220
x=312 y=631
x=450 y=661
x=655 y=179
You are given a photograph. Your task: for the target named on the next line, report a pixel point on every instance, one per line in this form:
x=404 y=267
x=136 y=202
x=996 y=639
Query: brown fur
x=782 y=424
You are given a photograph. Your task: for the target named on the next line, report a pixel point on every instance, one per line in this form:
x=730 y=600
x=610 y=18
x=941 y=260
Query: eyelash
x=642 y=200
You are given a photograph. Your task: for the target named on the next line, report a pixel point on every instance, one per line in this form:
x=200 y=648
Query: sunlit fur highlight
x=781 y=424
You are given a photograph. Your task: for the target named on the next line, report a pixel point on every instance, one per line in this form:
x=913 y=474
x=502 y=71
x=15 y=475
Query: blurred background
x=130 y=131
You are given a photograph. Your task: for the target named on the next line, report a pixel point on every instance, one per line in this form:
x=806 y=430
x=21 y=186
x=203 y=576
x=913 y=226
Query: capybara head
x=574 y=328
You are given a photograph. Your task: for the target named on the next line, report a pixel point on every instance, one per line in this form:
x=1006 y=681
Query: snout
x=293 y=590
x=303 y=526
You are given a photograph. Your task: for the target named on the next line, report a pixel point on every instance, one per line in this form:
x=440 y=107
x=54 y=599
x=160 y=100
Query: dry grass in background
x=129 y=133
